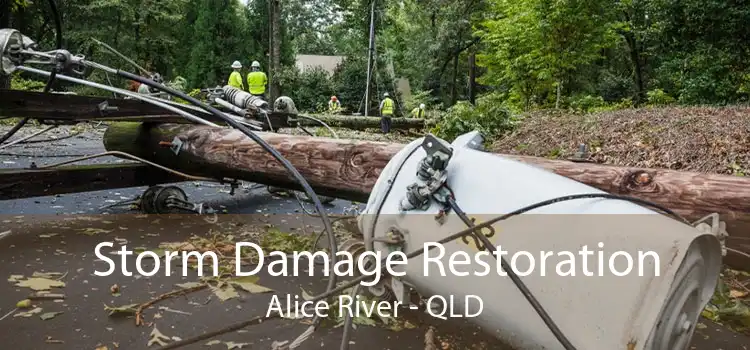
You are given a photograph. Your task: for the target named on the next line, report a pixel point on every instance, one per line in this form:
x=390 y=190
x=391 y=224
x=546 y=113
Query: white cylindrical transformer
x=654 y=306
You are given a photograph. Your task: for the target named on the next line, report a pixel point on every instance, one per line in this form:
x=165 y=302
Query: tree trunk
x=635 y=58
x=5 y=23
x=349 y=169
x=454 y=92
x=472 y=76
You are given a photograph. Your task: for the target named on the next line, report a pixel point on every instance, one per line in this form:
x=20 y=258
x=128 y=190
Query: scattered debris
x=114 y=290
x=728 y=306
x=15 y=278
x=8 y=314
x=224 y=291
x=212 y=342
x=49 y=315
x=44 y=295
x=248 y=283
x=189 y=285
x=164 y=308
x=157 y=337
x=29 y=313
x=139 y=309
x=23 y=304
x=90 y=231
x=49 y=340
x=232 y=345
x=121 y=310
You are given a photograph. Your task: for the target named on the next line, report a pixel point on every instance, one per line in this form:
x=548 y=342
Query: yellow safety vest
x=256 y=82
x=417 y=113
x=235 y=80
x=387 y=107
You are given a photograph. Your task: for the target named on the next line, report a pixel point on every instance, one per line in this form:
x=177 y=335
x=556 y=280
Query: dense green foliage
x=529 y=54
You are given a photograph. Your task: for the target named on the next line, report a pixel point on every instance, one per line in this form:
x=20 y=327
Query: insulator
x=243 y=99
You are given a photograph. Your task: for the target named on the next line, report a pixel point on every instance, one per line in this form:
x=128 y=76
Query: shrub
x=490 y=116
x=658 y=97
x=19 y=83
x=310 y=89
x=586 y=103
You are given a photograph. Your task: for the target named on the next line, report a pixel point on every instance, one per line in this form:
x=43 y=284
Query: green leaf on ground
x=37 y=283
x=121 y=310
x=49 y=315
x=189 y=285
x=248 y=283
x=225 y=291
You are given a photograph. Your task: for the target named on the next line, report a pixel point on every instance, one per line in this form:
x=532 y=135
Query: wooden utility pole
x=349 y=169
x=370 y=51
x=274 y=61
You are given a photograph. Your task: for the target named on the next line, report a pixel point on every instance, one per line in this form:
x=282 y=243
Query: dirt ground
x=66 y=246
x=702 y=139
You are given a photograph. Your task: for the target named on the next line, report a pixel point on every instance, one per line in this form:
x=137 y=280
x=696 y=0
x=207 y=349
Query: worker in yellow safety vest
x=334 y=105
x=257 y=81
x=386 y=112
x=235 y=79
x=418 y=112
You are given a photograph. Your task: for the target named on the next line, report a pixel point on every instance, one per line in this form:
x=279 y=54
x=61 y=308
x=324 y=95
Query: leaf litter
x=156 y=337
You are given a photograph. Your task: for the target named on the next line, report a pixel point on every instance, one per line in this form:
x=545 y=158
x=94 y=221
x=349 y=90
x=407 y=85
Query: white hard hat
x=236 y=64
x=255 y=64
x=421 y=106
x=385 y=94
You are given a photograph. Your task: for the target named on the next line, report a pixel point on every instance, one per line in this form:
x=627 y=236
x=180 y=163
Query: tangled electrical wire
x=61 y=61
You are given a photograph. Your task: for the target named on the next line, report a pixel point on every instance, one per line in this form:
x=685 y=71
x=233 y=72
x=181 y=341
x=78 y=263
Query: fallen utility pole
x=17 y=103
x=362 y=123
x=348 y=169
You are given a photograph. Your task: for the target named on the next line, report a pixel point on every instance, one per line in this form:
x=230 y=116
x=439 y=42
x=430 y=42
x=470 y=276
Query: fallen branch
x=230 y=328
x=174 y=293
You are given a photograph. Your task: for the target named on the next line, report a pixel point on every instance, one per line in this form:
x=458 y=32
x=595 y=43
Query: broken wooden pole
x=348 y=169
x=363 y=123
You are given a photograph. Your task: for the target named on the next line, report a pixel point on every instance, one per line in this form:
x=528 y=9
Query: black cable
x=14 y=130
x=289 y=167
x=477 y=228
x=548 y=321
x=25 y=120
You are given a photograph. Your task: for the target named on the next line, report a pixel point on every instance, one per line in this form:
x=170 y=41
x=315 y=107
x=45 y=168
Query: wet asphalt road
x=46 y=237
